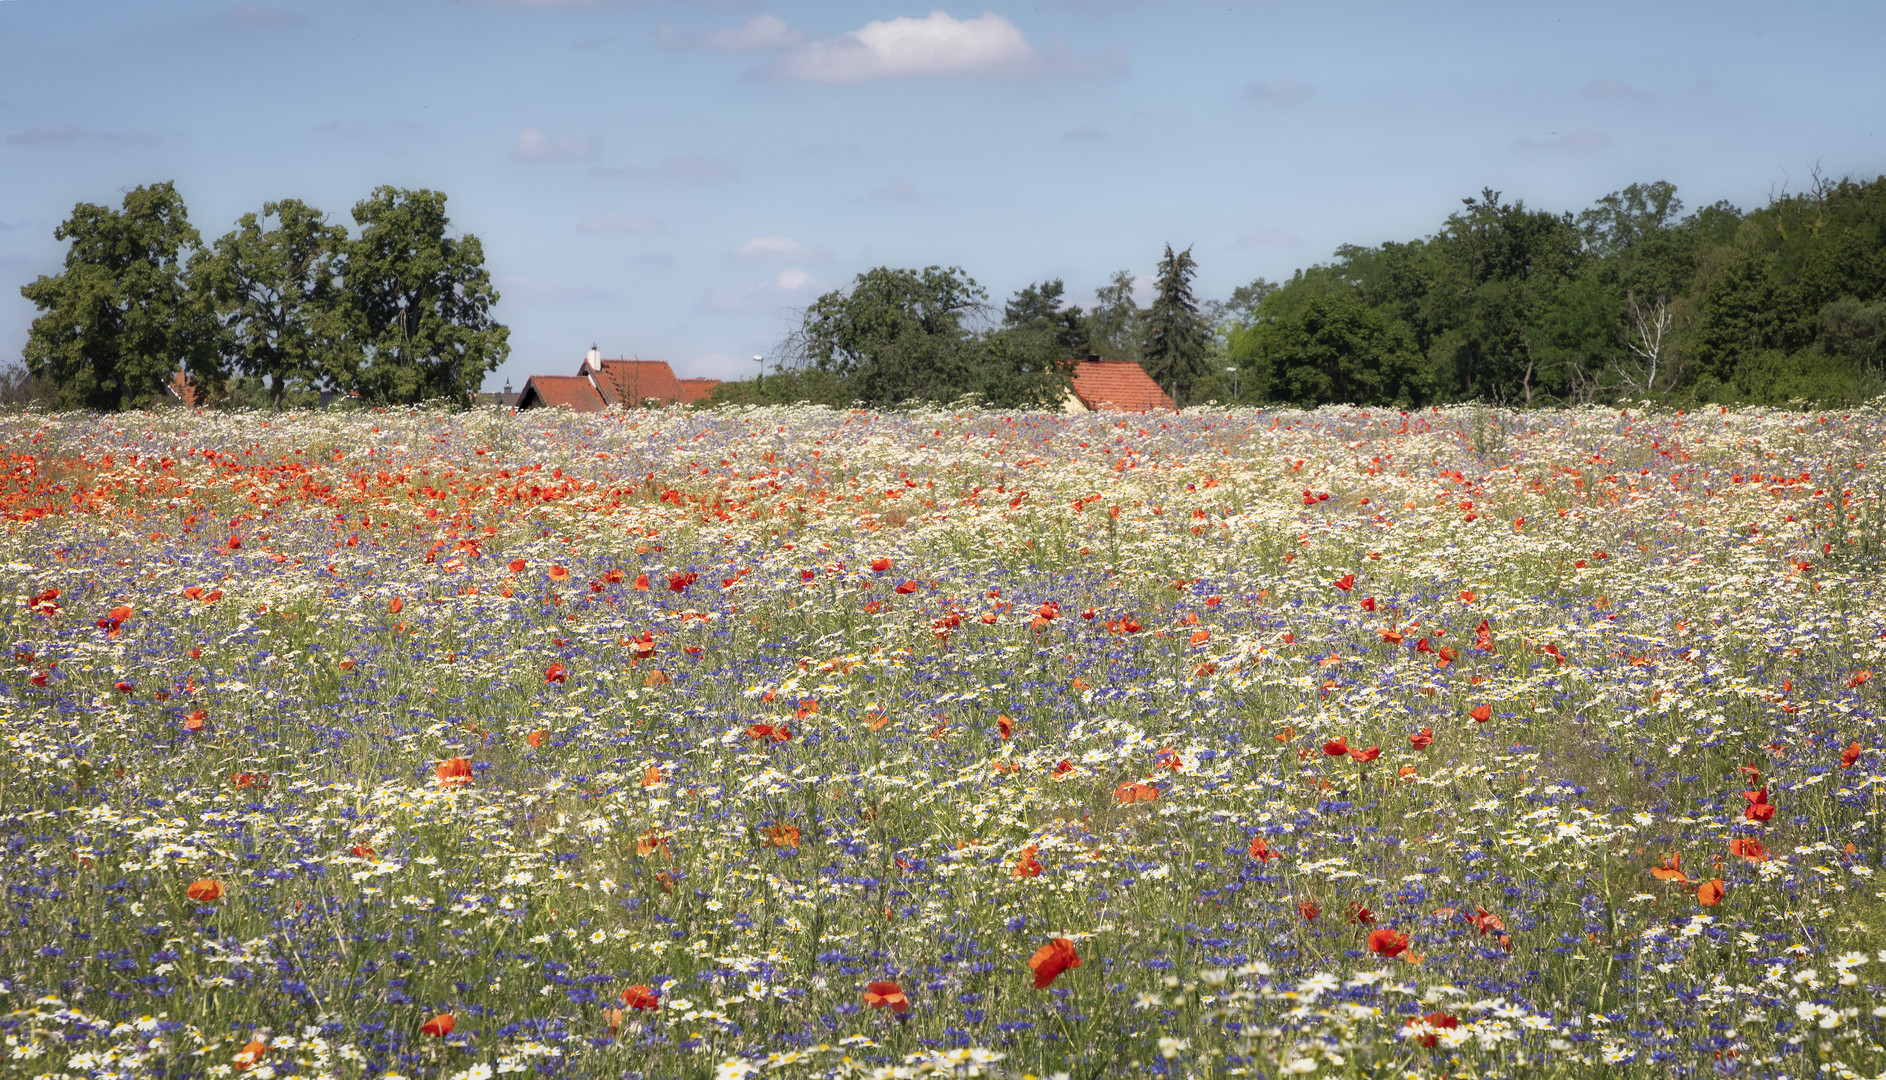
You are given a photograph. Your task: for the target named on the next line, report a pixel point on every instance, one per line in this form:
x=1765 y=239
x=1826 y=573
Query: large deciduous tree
x=420 y=302
x=277 y=284
x=1175 y=337
x=122 y=319
x=895 y=335
x=1335 y=350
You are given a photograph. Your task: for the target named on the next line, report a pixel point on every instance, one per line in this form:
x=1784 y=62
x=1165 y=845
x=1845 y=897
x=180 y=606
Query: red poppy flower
x=641 y=582
x=1368 y=603
x=123 y=687
x=194 y=722
x=1850 y=755
x=1260 y=850
x=1366 y=756
x=249 y=779
x=907 y=588
x=1750 y=849
x=1759 y=808
x=1422 y=739
x=1485 y=921
x=1432 y=1021
x=439 y=1026
x=783 y=836
x=1481 y=713
x=1026 y=866
x=1672 y=868
x=205 y=890
x=1005 y=727
x=362 y=851
x=1858 y=679
x=1063 y=767
x=559 y=573
x=518 y=566
x=536 y=738
x=1388 y=942
x=1132 y=793
x=250 y=1053
x=1710 y=892
x=641 y=997
x=1345 y=582
x=1360 y=915
x=556 y=673
x=1051 y=960
x=454 y=771
x=680 y=582
x=1337 y=747
x=1309 y=911
x=879 y=566
x=878 y=995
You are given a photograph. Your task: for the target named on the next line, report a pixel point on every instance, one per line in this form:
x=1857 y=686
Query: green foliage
x=1335 y=350
x=1177 y=339
x=279 y=300
x=1113 y=325
x=122 y=318
x=419 y=302
x=1041 y=307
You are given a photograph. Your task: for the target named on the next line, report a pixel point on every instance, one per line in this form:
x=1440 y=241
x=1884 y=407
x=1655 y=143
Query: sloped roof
x=693 y=390
x=629 y=383
x=1117 y=386
x=549 y=391
x=183 y=387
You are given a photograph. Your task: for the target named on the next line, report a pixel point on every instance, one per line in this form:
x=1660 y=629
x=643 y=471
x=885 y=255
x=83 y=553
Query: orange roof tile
x=1117 y=386
x=549 y=391
x=631 y=383
x=693 y=390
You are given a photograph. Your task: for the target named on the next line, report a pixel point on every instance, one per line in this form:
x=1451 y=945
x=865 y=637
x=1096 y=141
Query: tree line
x=1504 y=304
x=281 y=309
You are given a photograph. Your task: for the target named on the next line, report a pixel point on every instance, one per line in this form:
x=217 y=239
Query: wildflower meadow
x=799 y=742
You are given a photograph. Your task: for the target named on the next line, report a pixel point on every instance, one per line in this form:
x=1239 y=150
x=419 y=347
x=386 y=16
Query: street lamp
x=1233 y=372
x=760 y=360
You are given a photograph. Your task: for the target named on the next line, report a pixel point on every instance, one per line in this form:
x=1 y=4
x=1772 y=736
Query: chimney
x=594 y=359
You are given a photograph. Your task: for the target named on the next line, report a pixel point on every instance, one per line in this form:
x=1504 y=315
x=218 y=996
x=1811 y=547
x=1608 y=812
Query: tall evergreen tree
x=122 y=319
x=1177 y=339
x=1041 y=307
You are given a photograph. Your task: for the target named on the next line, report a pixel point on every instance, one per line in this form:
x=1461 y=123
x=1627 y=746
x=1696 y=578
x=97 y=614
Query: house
x=1113 y=386
x=600 y=384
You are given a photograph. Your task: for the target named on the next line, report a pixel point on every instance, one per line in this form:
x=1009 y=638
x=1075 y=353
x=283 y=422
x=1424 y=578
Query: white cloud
x=773 y=248
x=1583 y=141
x=760 y=33
x=897 y=189
x=533 y=145
x=788 y=288
x=904 y=47
x=611 y=221
x=688 y=169
x=1281 y=92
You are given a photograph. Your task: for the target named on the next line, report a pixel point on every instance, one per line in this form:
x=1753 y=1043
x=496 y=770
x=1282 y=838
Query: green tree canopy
x=1176 y=339
x=276 y=283
x=1041 y=307
x=121 y=319
x=1336 y=350
x=420 y=302
x=895 y=335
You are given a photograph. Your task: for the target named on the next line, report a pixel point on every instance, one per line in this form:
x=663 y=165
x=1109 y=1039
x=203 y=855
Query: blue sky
x=670 y=180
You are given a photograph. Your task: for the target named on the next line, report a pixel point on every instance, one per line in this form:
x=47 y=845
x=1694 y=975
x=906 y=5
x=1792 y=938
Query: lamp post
x=761 y=381
x=1233 y=372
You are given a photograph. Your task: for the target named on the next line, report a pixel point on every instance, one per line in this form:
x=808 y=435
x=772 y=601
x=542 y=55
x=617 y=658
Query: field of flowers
x=798 y=742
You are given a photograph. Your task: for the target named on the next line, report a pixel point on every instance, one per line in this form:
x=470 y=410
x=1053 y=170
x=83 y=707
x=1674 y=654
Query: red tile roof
x=1117 y=386
x=693 y=390
x=549 y=391
x=632 y=383
x=185 y=390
